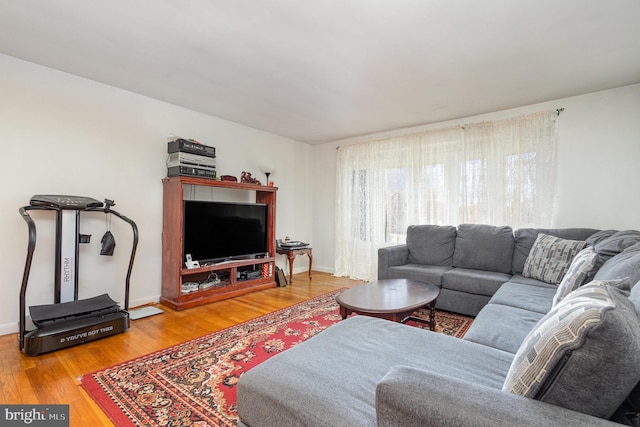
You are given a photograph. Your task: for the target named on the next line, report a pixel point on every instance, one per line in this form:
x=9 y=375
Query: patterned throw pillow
x=580 y=269
x=550 y=258
x=588 y=341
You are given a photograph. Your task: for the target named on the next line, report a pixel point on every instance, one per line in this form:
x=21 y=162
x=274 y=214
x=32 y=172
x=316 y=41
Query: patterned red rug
x=193 y=384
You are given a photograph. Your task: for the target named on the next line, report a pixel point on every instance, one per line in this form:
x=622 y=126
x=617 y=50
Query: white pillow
x=580 y=269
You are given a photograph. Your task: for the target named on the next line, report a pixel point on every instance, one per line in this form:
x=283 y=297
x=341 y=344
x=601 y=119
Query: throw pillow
x=581 y=268
x=550 y=258
x=583 y=354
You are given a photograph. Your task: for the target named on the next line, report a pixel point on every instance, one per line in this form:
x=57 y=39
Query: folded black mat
x=51 y=312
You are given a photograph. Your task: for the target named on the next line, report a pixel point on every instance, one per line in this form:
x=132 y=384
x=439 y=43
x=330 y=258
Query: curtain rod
x=558 y=111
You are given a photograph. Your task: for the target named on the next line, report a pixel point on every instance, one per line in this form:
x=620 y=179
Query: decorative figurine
x=247 y=178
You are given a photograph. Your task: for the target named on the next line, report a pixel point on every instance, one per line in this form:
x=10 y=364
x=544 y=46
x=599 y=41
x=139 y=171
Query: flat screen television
x=219 y=231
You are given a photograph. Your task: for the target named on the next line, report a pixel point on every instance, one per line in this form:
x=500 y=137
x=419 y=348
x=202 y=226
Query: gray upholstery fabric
x=412 y=397
x=575 y=368
x=625 y=264
x=634 y=297
x=518 y=278
x=596 y=238
x=525 y=237
x=390 y=256
x=484 y=247
x=528 y=297
x=618 y=242
x=478 y=282
x=418 y=272
x=330 y=379
x=431 y=244
x=502 y=327
x=461 y=302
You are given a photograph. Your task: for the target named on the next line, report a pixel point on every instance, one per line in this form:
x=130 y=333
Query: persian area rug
x=193 y=384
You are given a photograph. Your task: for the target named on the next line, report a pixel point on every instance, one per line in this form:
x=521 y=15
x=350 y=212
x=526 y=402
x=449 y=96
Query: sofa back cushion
x=625 y=264
x=550 y=258
x=617 y=242
x=484 y=247
x=583 y=354
x=525 y=237
x=431 y=244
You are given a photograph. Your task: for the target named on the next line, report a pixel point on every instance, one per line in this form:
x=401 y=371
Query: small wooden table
x=292 y=253
x=392 y=299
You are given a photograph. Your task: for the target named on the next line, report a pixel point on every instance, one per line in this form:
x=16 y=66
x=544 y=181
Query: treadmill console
x=65 y=202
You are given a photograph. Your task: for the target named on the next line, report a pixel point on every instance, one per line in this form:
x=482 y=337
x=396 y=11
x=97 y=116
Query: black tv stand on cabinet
x=174 y=274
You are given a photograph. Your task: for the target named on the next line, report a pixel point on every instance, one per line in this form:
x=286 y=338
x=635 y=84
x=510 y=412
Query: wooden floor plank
x=53 y=378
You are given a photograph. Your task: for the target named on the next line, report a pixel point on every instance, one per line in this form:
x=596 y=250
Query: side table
x=292 y=253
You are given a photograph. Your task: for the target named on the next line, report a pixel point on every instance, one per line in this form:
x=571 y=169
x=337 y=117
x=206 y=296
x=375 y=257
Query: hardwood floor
x=53 y=378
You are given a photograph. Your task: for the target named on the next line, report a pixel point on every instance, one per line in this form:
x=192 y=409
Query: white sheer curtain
x=501 y=172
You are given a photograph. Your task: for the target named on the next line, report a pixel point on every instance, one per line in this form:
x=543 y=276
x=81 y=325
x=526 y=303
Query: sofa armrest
x=413 y=397
x=391 y=256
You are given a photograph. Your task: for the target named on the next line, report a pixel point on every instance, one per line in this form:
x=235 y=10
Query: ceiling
x=318 y=71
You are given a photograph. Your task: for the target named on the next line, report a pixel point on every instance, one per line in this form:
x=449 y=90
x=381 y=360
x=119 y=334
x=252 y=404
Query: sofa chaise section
x=331 y=379
x=366 y=371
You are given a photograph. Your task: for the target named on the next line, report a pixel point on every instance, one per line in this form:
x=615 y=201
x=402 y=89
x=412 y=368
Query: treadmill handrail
x=134 y=227
x=27 y=268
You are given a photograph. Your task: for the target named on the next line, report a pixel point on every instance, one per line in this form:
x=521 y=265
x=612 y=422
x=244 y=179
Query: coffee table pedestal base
x=403 y=317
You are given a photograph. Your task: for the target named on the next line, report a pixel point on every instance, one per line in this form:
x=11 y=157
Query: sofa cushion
x=588 y=341
x=536 y=298
x=625 y=264
x=581 y=269
x=330 y=379
x=617 y=242
x=550 y=258
x=598 y=237
x=477 y=282
x=502 y=327
x=519 y=278
x=418 y=272
x=431 y=244
x=483 y=247
x=461 y=302
x=525 y=238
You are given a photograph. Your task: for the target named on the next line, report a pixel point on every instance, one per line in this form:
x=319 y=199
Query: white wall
x=66 y=135
x=598 y=161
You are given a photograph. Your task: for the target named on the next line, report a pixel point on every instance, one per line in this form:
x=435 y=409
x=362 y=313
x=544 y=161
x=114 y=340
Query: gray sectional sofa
x=555 y=341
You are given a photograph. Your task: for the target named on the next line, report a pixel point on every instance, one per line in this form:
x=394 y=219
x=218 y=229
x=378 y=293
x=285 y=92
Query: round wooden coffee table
x=392 y=299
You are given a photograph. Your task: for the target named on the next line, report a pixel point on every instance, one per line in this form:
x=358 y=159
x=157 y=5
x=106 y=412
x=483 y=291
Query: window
x=500 y=173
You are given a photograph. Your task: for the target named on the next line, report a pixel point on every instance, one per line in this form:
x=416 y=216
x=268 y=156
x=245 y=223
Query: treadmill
x=69 y=321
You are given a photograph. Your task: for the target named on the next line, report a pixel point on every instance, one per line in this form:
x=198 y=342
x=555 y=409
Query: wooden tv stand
x=174 y=273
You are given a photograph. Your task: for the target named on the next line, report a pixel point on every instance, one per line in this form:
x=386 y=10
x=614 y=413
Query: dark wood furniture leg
x=432 y=317
x=291 y=255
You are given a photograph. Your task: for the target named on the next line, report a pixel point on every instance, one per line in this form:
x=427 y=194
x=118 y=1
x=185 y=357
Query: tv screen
x=217 y=231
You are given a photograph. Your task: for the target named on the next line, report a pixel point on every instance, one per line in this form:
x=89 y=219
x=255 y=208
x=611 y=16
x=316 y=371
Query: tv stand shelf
x=173 y=272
